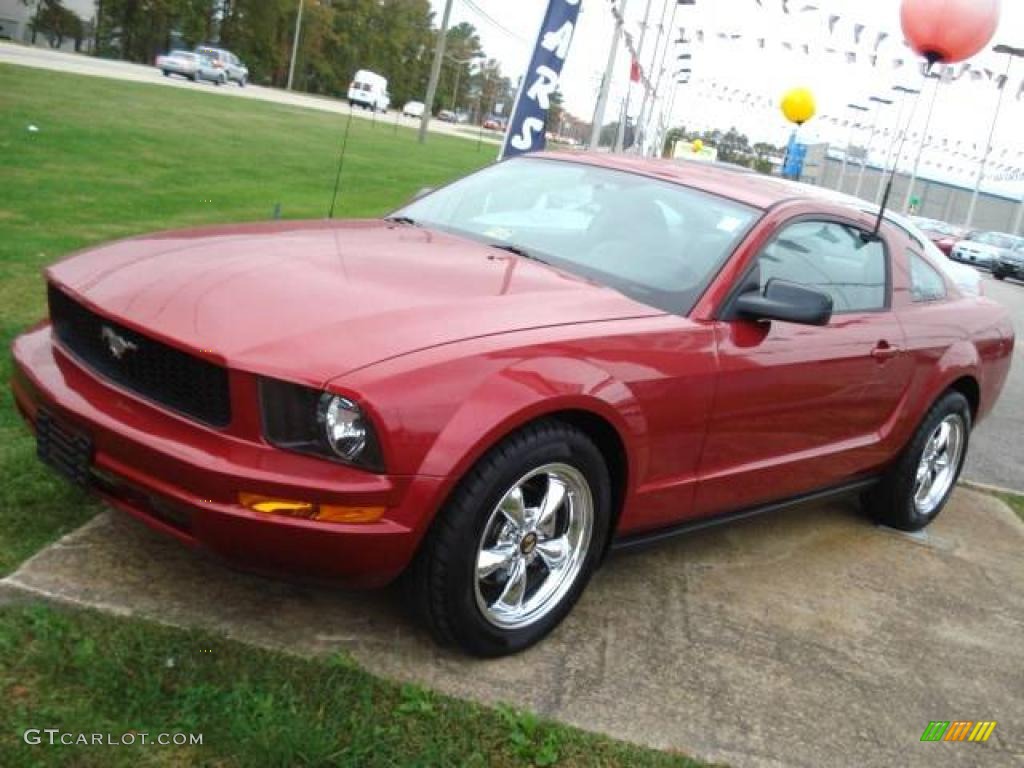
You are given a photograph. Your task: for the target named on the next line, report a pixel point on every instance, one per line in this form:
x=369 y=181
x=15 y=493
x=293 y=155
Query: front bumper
x=1009 y=268
x=183 y=479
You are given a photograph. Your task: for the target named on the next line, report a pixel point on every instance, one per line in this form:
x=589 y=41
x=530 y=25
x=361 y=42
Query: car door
x=799 y=408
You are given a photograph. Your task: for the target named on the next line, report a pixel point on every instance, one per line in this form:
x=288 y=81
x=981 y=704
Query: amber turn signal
x=307 y=510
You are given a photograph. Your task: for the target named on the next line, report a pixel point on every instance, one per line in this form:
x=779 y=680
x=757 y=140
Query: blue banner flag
x=525 y=132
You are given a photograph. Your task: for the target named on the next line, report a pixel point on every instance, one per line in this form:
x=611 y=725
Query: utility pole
x=435 y=71
x=606 y=81
x=295 y=46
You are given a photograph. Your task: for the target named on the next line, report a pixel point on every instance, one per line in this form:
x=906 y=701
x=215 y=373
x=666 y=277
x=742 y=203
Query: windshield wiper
x=519 y=252
x=402 y=220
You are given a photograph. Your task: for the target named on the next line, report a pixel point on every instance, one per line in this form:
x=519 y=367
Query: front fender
x=525 y=391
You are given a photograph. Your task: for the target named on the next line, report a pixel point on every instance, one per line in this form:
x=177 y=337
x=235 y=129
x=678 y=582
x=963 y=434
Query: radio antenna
x=930 y=62
x=341 y=163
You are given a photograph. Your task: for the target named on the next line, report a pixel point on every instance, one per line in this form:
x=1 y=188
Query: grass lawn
x=112 y=159
x=1016 y=502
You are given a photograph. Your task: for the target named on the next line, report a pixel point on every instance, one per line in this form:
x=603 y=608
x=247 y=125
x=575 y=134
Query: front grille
x=151 y=369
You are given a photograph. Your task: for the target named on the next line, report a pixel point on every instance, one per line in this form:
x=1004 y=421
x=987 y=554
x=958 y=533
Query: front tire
x=918 y=486
x=998 y=275
x=517 y=542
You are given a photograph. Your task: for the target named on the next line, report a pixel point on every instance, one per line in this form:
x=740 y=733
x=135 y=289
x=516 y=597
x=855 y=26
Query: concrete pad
x=809 y=637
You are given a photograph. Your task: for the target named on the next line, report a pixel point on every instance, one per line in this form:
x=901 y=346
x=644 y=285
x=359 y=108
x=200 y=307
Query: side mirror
x=786 y=301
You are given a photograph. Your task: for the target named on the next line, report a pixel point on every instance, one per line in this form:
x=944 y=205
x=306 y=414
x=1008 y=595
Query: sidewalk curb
x=989 y=488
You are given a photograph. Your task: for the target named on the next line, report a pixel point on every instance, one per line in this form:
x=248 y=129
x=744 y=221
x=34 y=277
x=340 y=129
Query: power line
x=488 y=18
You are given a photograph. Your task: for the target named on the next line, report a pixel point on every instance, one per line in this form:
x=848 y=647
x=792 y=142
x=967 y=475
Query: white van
x=369 y=90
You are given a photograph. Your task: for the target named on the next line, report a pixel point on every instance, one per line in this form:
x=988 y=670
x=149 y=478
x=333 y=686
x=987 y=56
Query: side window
x=828 y=257
x=926 y=284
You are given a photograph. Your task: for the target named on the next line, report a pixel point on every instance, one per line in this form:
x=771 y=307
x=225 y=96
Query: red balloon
x=949 y=30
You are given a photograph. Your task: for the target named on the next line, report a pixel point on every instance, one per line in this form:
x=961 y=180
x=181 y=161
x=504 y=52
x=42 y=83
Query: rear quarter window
x=926 y=284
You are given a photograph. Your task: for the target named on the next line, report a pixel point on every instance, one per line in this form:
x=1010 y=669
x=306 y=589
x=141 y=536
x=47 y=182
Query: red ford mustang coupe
x=492 y=387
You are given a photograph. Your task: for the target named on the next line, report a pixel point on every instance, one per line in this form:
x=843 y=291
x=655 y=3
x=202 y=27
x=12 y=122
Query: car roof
x=740 y=184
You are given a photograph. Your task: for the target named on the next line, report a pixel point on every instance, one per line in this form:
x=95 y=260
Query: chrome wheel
x=533 y=546
x=939 y=463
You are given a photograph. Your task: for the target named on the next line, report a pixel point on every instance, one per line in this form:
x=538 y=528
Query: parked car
x=447 y=116
x=492 y=125
x=192 y=65
x=370 y=91
x=224 y=60
x=558 y=355
x=1010 y=263
x=981 y=249
x=944 y=235
x=413 y=109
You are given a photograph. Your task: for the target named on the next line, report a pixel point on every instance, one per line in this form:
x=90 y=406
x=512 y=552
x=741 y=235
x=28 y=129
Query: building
x=935 y=199
x=69 y=28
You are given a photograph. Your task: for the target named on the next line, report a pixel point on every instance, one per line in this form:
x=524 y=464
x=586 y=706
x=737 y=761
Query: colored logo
x=958 y=730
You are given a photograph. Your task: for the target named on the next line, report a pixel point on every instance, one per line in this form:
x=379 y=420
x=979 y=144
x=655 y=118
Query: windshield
x=656 y=242
x=992 y=238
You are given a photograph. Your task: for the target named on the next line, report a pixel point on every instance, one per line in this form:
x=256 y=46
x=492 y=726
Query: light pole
x=621 y=132
x=606 y=81
x=661 y=68
x=295 y=46
x=849 y=140
x=435 y=71
x=1011 y=53
x=459 y=63
x=904 y=92
x=881 y=102
x=924 y=139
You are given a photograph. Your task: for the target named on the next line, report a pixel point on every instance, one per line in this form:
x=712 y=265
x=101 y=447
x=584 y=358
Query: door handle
x=885 y=351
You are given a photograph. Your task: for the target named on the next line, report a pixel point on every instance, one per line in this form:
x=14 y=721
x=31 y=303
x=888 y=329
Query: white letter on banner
x=524 y=141
x=545 y=84
x=558 y=41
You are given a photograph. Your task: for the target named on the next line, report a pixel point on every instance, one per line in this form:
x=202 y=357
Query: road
x=996 y=454
x=59 y=61
x=997 y=447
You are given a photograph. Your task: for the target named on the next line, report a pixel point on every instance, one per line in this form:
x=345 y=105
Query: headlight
x=309 y=420
x=345 y=429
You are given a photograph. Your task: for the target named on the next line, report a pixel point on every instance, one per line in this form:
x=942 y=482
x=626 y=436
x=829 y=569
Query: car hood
x=310 y=301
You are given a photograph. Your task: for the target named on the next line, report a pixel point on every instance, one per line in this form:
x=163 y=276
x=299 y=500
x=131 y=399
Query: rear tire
x=166 y=73
x=495 y=574
x=999 y=275
x=917 y=487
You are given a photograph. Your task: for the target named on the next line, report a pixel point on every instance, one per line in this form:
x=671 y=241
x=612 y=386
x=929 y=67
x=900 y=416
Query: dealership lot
x=785 y=640
x=997 y=449
x=788 y=639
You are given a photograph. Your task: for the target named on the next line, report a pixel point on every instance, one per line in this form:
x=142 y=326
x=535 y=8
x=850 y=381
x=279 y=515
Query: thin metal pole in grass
x=398 y=115
x=341 y=163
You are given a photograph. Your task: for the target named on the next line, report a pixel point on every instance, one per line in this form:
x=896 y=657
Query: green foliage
x=83 y=672
x=392 y=37
x=733 y=147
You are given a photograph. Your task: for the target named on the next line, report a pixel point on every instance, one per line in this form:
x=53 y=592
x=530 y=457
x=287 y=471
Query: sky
x=730 y=58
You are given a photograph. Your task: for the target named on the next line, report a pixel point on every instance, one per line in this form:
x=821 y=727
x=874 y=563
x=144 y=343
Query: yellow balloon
x=697 y=145
x=798 y=105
